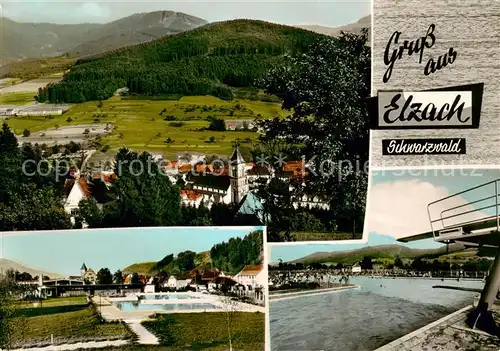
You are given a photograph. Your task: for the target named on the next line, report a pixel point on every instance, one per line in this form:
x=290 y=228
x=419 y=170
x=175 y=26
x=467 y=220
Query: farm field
x=17 y=98
x=142 y=126
x=29 y=86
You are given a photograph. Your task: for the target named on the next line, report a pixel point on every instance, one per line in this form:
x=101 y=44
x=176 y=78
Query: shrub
x=176 y=124
x=26 y=133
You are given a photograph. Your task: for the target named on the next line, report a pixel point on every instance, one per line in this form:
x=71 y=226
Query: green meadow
x=63 y=320
x=209 y=331
x=142 y=126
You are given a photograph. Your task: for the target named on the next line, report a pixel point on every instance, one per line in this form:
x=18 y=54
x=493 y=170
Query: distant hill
x=355 y=28
x=384 y=251
x=139 y=268
x=6 y=264
x=204 y=61
x=201 y=260
x=37 y=40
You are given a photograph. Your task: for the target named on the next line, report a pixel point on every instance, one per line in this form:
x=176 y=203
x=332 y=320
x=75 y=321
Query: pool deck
x=112 y=313
x=447 y=333
x=290 y=295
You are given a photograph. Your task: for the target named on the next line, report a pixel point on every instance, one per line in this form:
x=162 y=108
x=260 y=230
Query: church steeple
x=83 y=270
x=239 y=184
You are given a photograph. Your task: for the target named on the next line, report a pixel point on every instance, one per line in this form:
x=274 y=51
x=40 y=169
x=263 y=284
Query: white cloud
x=399 y=208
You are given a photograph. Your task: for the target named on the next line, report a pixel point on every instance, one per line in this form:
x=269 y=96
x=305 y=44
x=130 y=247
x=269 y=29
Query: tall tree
x=325 y=91
x=118 y=277
x=104 y=276
x=142 y=195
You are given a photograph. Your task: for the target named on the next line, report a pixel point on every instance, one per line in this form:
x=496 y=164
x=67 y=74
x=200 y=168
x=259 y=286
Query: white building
x=207 y=186
x=356 y=269
x=177 y=283
x=78 y=190
x=251 y=277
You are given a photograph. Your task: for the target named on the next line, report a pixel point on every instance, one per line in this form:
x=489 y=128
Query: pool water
x=364 y=319
x=134 y=306
x=167 y=297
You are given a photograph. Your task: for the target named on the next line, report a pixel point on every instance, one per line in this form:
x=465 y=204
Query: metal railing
x=473 y=208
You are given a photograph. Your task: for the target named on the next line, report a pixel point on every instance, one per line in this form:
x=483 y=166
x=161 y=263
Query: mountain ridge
x=24 y=40
x=6 y=264
x=377 y=251
x=355 y=28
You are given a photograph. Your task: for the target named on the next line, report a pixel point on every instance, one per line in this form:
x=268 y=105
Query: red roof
x=185 y=168
x=109 y=178
x=83 y=185
x=252 y=269
x=191 y=194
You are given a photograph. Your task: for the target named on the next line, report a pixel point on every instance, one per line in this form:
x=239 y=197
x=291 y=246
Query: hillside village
x=248 y=283
x=186 y=100
x=204 y=184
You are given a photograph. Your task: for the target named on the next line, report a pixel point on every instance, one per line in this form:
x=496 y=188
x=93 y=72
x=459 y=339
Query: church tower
x=239 y=184
x=83 y=270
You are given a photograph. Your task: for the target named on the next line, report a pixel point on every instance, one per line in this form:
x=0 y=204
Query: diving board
x=471 y=218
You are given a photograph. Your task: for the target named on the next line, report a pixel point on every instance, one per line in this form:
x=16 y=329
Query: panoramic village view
x=237 y=116
x=201 y=289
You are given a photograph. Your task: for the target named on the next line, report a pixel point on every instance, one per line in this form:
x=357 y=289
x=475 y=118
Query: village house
x=78 y=187
x=238 y=179
x=251 y=277
x=179 y=282
x=241 y=124
x=234 y=182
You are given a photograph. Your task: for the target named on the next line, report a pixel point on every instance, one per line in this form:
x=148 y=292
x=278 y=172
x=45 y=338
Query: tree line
x=417 y=264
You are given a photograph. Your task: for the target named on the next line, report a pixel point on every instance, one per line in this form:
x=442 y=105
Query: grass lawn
x=67 y=320
x=208 y=331
x=140 y=126
x=17 y=98
x=59 y=301
x=303 y=236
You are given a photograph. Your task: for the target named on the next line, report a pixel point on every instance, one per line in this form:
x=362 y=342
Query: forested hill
x=208 y=60
x=230 y=257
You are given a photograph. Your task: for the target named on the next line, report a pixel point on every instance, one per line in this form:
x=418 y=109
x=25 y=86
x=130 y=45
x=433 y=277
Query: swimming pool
x=167 y=296
x=133 y=306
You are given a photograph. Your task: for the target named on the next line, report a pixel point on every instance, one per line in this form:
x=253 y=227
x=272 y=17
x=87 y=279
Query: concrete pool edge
x=416 y=336
x=292 y=295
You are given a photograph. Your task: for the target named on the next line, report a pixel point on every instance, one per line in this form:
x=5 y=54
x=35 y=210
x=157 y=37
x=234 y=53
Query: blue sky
x=398 y=199
x=328 y=13
x=64 y=251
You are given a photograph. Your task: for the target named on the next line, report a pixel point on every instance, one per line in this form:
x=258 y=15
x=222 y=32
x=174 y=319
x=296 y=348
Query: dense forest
x=236 y=253
x=206 y=61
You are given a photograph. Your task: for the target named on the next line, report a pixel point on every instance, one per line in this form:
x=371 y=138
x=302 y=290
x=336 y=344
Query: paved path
x=145 y=337
x=77 y=346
